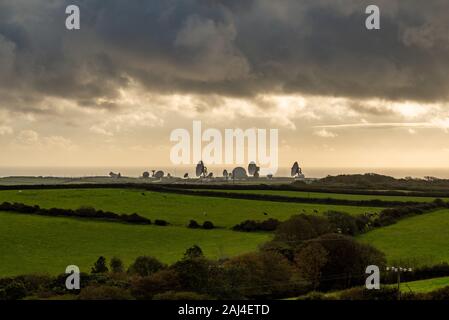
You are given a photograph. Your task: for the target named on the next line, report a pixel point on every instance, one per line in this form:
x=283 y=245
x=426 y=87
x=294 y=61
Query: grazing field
x=322 y=195
x=424 y=286
x=35 y=244
x=175 y=208
x=417 y=240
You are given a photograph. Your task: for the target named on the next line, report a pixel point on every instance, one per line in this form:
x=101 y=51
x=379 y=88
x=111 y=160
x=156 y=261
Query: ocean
x=314 y=172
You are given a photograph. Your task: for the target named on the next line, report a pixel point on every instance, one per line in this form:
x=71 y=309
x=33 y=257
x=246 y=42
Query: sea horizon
x=179 y=171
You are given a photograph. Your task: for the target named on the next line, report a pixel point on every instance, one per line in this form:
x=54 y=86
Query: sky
x=111 y=93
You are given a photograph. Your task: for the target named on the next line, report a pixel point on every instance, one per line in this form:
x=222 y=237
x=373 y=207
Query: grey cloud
x=239 y=48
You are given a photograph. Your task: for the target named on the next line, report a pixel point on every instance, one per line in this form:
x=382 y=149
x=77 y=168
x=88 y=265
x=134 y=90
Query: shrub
x=100 y=266
x=342 y=222
x=348 y=258
x=360 y=293
x=193 y=224
x=193 y=252
x=159 y=222
x=116 y=265
x=186 y=296
x=15 y=290
x=300 y=228
x=208 y=225
x=254 y=275
x=145 y=266
x=104 y=293
x=251 y=225
x=147 y=287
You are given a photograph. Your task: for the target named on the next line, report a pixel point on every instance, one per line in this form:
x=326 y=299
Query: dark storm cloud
x=227 y=47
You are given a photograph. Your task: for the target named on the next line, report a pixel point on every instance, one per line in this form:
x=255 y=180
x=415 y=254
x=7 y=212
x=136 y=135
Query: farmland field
x=424 y=286
x=39 y=244
x=323 y=195
x=35 y=244
x=175 y=208
x=417 y=240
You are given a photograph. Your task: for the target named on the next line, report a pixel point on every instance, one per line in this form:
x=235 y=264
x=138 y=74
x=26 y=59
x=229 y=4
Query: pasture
x=323 y=195
x=177 y=209
x=419 y=240
x=35 y=244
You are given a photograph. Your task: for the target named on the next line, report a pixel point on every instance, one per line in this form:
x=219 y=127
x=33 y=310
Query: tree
x=104 y=292
x=145 y=266
x=258 y=274
x=197 y=274
x=347 y=258
x=208 y=225
x=13 y=291
x=301 y=227
x=193 y=252
x=343 y=222
x=116 y=265
x=100 y=266
x=310 y=261
x=146 y=288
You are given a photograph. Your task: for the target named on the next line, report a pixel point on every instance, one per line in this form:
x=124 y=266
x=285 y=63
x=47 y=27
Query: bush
x=342 y=222
x=439 y=294
x=116 y=265
x=15 y=290
x=83 y=212
x=147 y=287
x=193 y=224
x=186 y=296
x=254 y=275
x=100 y=266
x=346 y=257
x=302 y=227
x=104 y=293
x=360 y=293
x=161 y=223
x=193 y=252
x=145 y=266
x=251 y=225
x=208 y=225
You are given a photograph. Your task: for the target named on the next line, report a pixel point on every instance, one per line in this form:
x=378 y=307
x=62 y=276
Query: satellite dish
x=159 y=174
x=146 y=175
x=210 y=175
x=295 y=169
x=201 y=170
x=225 y=173
x=239 y=173
x=186 y=176
x=253 y=169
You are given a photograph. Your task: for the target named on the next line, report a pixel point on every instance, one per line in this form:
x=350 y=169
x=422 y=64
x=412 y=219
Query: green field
x=417 y=240
x=176 y=209
x=420 y=286
x=35 y=244
x=322 y=195
x=424 y=286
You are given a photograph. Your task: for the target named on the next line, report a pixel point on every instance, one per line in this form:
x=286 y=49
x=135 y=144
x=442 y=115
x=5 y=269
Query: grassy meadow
x=36 y=244
x=322 y=195
x=417 y=240
x=424 y=286
x=175 y=208
x=30 y=244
